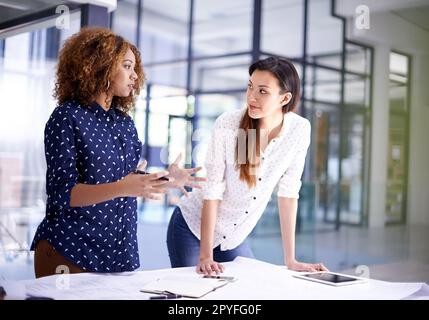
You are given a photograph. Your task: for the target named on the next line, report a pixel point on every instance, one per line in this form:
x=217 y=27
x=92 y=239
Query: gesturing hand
x=183 y=177
x=144 y=185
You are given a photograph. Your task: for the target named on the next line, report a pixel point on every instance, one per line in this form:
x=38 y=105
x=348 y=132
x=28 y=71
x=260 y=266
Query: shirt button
x=247 y=212
x=224 y=237
x=274 y=140
x=254 y=198
x=260 y=179
x=235 y=224
x=263 y=158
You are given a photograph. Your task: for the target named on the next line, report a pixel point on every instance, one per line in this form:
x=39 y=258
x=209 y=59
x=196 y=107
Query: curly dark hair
x=88 y=61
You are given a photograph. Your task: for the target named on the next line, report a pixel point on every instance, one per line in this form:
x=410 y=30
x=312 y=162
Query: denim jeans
x=184 y=247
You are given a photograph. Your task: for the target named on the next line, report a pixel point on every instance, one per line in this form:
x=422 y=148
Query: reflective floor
x=394 y=253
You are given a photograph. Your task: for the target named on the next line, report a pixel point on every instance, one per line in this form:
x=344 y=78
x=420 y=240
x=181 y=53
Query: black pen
x=219 y=277
x=166 y=296
x=38 y=298
x=144 y=172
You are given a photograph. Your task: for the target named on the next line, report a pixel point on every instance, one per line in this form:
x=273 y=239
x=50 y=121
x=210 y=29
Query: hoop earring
x=108 y=85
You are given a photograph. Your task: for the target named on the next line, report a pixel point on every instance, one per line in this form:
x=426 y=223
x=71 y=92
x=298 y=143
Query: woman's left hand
x=182 y=177
x=309 y=267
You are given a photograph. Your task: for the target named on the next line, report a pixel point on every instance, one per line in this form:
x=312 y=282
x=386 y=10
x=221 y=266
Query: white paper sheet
x=190 y=285
x=256 y=280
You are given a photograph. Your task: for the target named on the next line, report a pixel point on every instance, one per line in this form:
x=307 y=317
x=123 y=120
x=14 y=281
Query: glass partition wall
x=397 y=161
x=196 y=55
x=27 y=70
x=202 y=49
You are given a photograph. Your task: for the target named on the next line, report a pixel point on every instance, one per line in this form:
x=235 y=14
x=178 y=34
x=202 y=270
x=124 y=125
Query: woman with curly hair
x=92 y=152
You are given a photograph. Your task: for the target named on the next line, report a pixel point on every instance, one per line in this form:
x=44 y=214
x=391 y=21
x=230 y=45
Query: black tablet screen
x=334 y=278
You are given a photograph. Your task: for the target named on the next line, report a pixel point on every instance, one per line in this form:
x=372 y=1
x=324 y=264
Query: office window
x=358 y=58
x=323 y=85
x=167 y=74
x=324 y=33
x=165 y=102
x=164 y=31
x=222 y=27
x=124 y=20
x=397 y=163
x=282 y=29
x=27 y=73
x=220 y=74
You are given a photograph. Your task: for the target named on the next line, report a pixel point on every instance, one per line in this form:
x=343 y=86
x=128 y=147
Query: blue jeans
x=184 y=247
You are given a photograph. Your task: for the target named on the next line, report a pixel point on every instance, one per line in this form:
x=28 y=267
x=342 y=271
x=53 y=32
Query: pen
x=220 y=277
x=38 y=298
x=144 y=172
x=166 y=296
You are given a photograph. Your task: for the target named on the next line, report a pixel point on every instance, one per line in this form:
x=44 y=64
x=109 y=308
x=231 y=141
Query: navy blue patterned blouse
x=92 y=146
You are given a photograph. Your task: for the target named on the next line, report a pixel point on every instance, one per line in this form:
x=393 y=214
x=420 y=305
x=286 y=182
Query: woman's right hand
x=143 y=185
x=208 y=267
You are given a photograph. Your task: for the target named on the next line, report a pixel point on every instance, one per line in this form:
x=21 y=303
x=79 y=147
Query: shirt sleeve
x=60 y=152
x=215 y=163
x=290 y=183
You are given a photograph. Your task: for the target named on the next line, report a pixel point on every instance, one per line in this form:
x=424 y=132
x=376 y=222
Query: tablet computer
x=331 y=278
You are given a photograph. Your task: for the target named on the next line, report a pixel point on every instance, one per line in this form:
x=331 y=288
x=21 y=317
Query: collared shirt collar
x=112 y=113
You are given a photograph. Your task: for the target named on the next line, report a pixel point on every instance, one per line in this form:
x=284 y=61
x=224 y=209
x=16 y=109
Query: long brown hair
x=87 y=63
x=289 y=81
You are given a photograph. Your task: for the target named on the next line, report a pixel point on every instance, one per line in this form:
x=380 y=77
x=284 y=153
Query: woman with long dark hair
x=251 y=151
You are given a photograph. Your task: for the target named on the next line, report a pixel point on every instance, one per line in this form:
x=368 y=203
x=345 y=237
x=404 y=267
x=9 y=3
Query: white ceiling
x=348 y=7
x=413 y=11
x=418 y=16
x=10 y=9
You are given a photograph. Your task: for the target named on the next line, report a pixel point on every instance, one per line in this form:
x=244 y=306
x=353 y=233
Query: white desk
x=257 y=280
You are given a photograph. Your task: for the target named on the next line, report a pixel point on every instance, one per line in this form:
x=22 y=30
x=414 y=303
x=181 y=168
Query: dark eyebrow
x=260 y=86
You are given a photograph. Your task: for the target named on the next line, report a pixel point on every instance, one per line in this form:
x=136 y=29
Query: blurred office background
x=364 y=199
